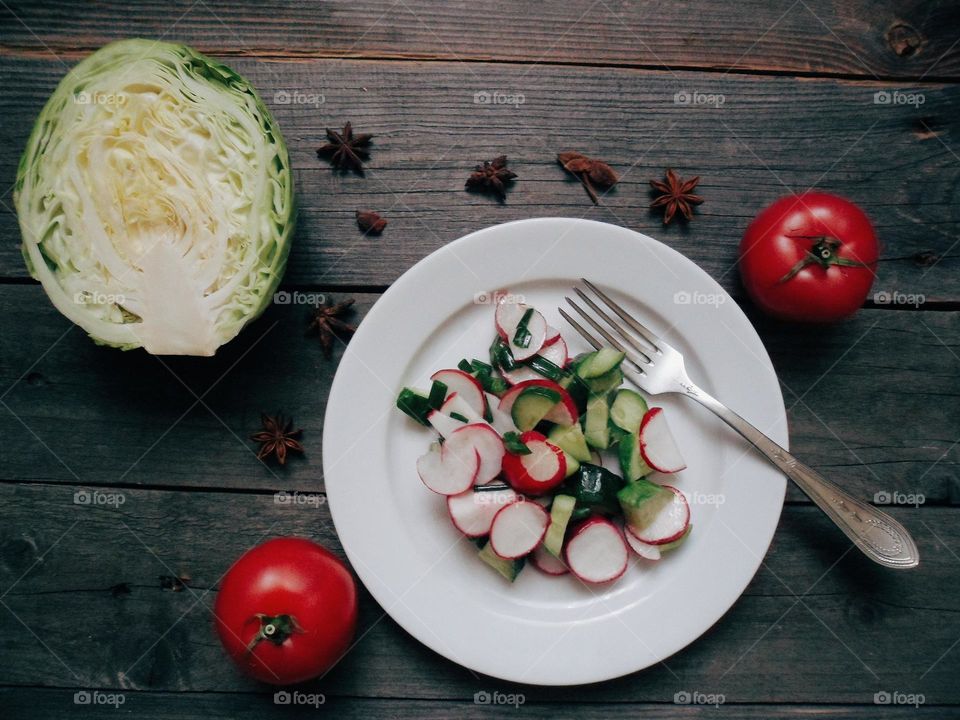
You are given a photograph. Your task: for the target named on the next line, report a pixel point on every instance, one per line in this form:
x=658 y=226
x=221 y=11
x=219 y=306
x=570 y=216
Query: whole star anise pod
x=491 y=176
x=345 y=150
x=326 y=321
x=370 y=222
x=277 y=438
x=592 y=173
x=676 y=194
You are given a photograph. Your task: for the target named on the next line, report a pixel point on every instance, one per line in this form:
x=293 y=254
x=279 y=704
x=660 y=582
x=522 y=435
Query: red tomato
x=286 y=611
x=809 y=257
x=538 y=472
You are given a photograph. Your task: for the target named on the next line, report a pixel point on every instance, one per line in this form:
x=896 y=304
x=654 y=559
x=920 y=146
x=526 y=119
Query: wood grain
x=771 y=135
x=88 y=581
x=853 y=37
x=80 y=413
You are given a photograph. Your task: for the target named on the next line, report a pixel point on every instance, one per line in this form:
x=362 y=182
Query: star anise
x=370 y=222
x=277 y=438
x=491 y=176
x=592 y=173
x=345 y=150
x=676 y=194
x=326 y=321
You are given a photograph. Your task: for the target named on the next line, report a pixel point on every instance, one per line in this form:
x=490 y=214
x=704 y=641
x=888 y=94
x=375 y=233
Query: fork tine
x=579 y=328
x=635 y=361
x=612 y=323
x=643 y=331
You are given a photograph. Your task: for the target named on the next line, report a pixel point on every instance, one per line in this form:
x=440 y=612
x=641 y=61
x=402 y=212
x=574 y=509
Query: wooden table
x=88 y=593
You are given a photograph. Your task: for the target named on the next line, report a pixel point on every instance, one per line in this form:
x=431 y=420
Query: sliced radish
x=541 y=470
x=667 y=525
x=472 y=512
x=465 y=385
x=644 y=550
x=517 y=529
x=443 y=423
x=508 y=317
x=455 y=404
x=545 y=562
x=502 y=422
x=563 y=413
x=597 y=552
x=487 y=444
x=657 y=446
x=552 y=336
x=449 y=471
x=555 y=353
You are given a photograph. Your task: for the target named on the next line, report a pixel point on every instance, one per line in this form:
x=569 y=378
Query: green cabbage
x=155 y=199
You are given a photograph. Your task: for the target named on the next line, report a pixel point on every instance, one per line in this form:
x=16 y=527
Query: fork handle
x=878 y=535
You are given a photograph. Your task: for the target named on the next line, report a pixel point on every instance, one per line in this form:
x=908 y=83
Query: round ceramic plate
x=396 y=533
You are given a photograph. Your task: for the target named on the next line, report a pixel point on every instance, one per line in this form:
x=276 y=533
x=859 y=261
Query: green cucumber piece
x=532 y=405
x=627 y=410
x=594 y=488
x=596 y=428
x=572 y=464
x=579 y=392
x=605 y=383
x=581 y=513
x=508 y=568
x=560 y=513
x=679 y=541
x=570 y=439
x=415 y=404
x=595 y=364
x=641 y=500
x=632 y=464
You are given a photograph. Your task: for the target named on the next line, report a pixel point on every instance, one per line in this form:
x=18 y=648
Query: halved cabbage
x=155 y=199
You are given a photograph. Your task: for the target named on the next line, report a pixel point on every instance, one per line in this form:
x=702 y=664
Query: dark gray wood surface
x=85 y=598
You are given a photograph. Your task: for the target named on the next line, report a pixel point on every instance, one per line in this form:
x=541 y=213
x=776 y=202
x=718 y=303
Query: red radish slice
x=668 y=524
x=444 y=424
x=563 y=413
x=517 y=529
x=555 y=353
x=545 y=562
x=465 y=385
x=507 y=316
x=449 y=471
x=644 y=550
x=487 y=444
x=657 y=446
x=552 y=336
x=537 y=327
x=502 y=422
x=597 y=552
x=472 y=512
x=539 y=471
x=455 y=404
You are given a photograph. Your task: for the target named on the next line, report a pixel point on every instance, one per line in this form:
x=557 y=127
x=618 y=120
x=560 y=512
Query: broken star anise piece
x=592 y=173
x=277 y=438
x=492 y=176
x=370 y=222
x=345 y=150
x=675 y=194
x=328 y=325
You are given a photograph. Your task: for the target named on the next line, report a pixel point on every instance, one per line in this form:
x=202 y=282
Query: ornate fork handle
x=872 y=530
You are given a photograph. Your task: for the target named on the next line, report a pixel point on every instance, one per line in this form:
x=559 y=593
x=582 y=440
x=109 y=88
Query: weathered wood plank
x=858 y=37
x=87 y=580
x=771 y=134
x=43 y=702
x=79 y=413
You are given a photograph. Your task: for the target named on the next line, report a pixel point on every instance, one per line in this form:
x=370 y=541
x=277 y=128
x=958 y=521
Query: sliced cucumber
x=508 y=568
x=570 y=439
x=532 y=405
x=595 y=426
x=594 y=488
x=577 y=387
x=641 y=501
x=572 y=464
x=560 y=513
x=676 y=543
x=632 y=464
x=605 y=383
x=595 y=364
x=627 y=410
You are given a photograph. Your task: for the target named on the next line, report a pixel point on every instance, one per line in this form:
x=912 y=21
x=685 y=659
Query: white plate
x=547 y=630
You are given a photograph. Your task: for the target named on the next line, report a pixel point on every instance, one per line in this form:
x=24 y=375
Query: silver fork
x=658 y=368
